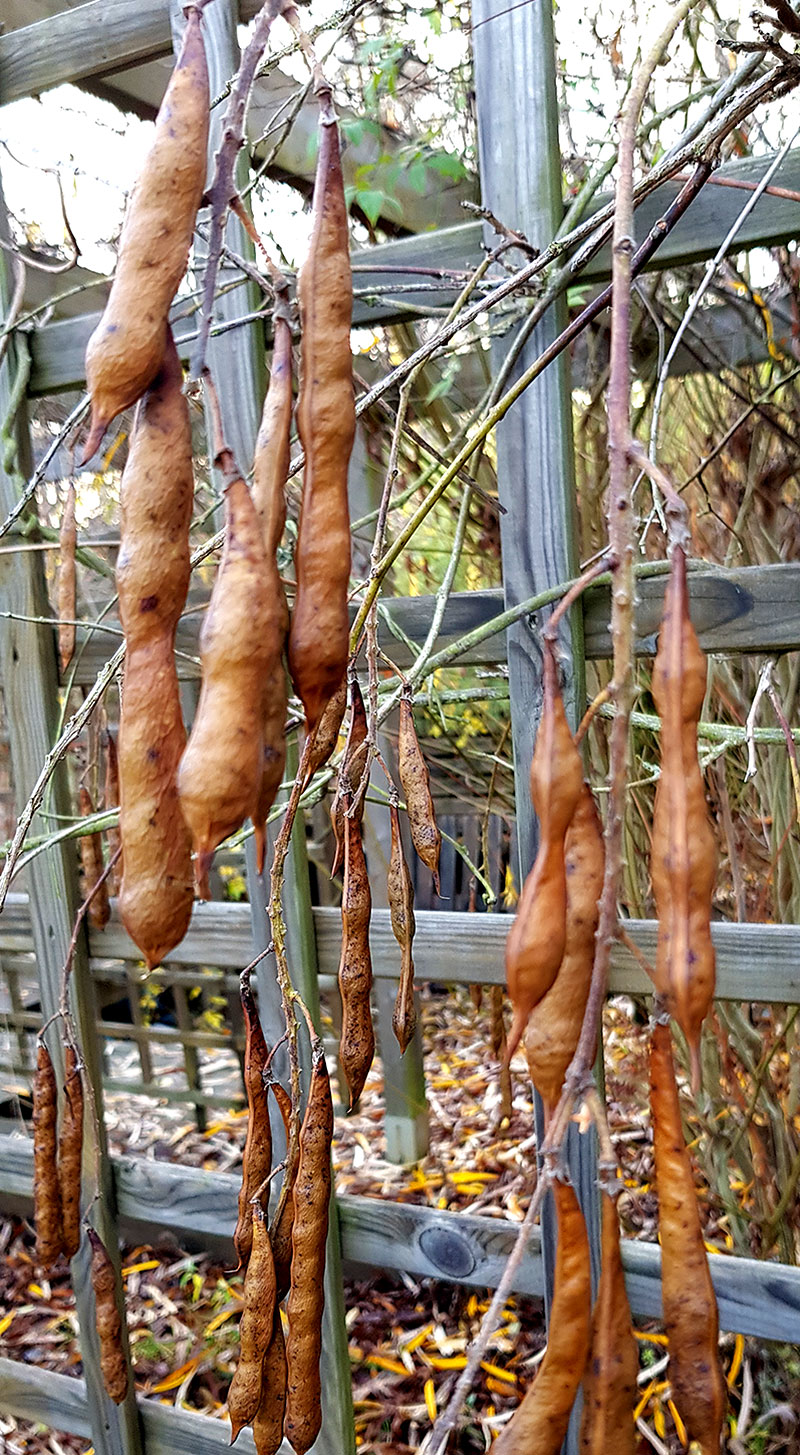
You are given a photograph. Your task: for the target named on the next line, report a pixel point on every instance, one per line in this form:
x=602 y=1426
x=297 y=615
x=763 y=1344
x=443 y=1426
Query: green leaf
x=371 y=203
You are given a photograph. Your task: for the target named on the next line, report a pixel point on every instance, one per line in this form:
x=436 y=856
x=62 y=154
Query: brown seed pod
x=350 y=773
x=220 y=776
x=113 y=1363
x=70 y=1153
x=327 y=734
x=125 y=351
x=416 y=784
x=684 y=852
x=357 y=1041
x=609 y=1385
x=257 y=1155
x=312 y=1191
x=540 y=1424
x=281 y=1229
x=554 y=1027
x=46 y=1192
x=91 y=851
x=111 y=800
x=255 y=1329
x=268 y=1423
x=318 y=637
x=691 y=1319
x=156 y=893
x=66 y=593
x=536 y=941
x=400 y=894
x=270 y=471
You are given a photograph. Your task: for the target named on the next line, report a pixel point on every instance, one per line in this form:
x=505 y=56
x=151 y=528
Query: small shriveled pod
x=257 y=1154
x=609 y=1385
x=539 y=1426
x=46 y=1191
x=416 y=784
x=357 y=1040
x=70 y=1153
x=400 y=894
x=281 y=1229
x=312 y=1191
x=113 y=1363
x=691 y=1319
x=124 y=353
x=326 y=422
x=350 y=772
x=221 y=771
x=683 y=859
x=255 y=1329
x=91 y=852
x=66 y=593
x=270 y=472
x=537 y=939
x=554 y=1026
x=156 y=893
x=268 y=1423
x=319 y=749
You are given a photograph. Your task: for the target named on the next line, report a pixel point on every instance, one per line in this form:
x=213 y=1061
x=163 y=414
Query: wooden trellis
x=749 y=610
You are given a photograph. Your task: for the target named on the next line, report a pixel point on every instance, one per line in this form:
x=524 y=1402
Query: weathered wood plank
x=761 y=1299
x=753 y=609
x=758 y=962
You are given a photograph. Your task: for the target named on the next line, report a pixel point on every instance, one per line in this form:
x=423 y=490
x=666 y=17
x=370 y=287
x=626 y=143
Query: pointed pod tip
x=94 y=439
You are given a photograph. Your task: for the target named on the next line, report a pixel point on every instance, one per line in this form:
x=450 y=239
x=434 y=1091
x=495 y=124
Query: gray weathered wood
x=30 y=691
x=759 y=962
x=752 y=609
x=515 y=85
x=757 y=1298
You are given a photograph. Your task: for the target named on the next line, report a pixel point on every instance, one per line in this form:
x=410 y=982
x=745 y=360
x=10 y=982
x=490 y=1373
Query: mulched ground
x=407 y=1338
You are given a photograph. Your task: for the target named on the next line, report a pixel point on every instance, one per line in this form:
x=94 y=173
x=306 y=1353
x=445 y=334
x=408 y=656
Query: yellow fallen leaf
x=218 y=1320
x=458 y=1177
x=678 y=1422
x=498 y=1373
x=455 y=1361
x=650 y=1338
x=659 y=1420
x=644 y=1399
x=175 y=1378
x=4 y=1323
x=736 y=1361
x=379 y=1361
x=418 y=1338
x=430 y=1399
x=141 y=1267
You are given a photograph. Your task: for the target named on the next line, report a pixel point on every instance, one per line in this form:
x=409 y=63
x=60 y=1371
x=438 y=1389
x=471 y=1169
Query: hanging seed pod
x=281 y=1229
x=46 y=1192
x=312 y=1193
x=70 y=1153
x=66 y=592
x=270 y=472
x=357 y=1041
x=691 y=1319
x=400 y=894
x=326 y=421
x=257 y=1155
x=554 y=1027
x=125 y=351
x=91 y=851
x=540 y=1424
x=350 y=773
x=327 y=734
x=156 y=893
x=113 y=1364
x=684 y=852
x=609 y=1386
x=221 y=771
x=110 y=801
x=537 y=939
x=416 y=784
x=268 y=1423
x=255 y=1329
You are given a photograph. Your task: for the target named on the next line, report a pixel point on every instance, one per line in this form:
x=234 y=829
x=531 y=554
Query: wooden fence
x=746 y=611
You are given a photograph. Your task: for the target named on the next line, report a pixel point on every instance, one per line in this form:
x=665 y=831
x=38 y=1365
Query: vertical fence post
x=238 y=365
x=30 y=685
x=514 y=56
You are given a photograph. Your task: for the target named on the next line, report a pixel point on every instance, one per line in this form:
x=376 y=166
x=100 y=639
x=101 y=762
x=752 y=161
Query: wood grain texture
x=759 y=962
x=761 y=1299
x=30 y=691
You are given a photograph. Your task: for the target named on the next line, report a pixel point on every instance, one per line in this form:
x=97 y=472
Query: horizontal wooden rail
x=757 y=962
x=761 y=1299
x=754 y=609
